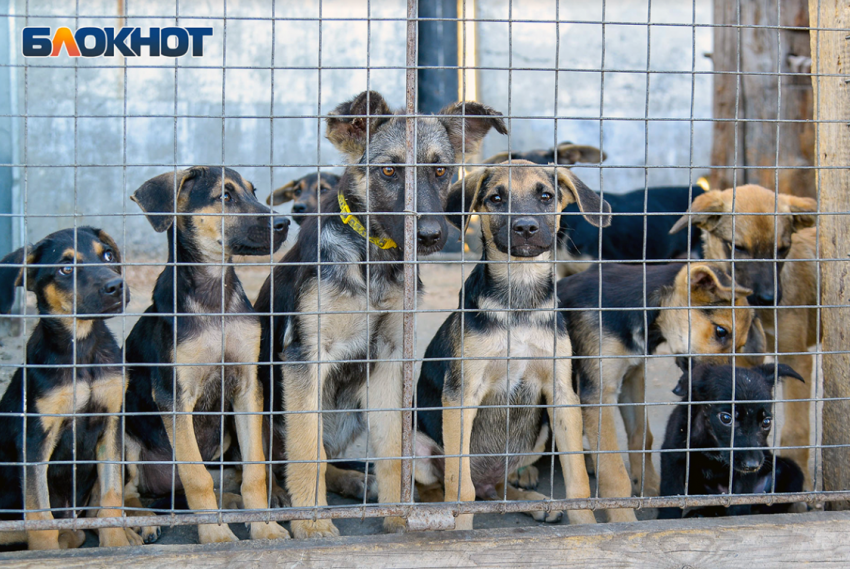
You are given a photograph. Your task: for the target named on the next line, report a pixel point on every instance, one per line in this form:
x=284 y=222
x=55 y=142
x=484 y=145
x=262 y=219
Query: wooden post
x=832 y=103
x=750 y=58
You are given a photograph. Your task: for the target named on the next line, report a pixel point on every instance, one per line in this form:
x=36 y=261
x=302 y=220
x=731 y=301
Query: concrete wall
x=625 y=104
x=86 y=146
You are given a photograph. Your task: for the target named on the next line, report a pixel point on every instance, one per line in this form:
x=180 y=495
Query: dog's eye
x=725 y=418
x=108 y=256
x=766 y=422
x=297 y=193
x=783 y=252
x=388 y=171
x=496 y=198
x=439 y=171
x=225 y=197
x=721 y=332
x=739 y=251
x=65 y=271
x=546 y=196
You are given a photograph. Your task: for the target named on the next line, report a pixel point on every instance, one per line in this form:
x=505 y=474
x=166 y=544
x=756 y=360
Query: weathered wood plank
x=764 y=541
x=832 y=103
x=756 y=53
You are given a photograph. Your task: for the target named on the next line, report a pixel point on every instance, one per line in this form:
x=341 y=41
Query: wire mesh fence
x=264 y=365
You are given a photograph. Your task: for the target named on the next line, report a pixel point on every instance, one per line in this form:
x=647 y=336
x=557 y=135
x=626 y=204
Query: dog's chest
x=523 y=354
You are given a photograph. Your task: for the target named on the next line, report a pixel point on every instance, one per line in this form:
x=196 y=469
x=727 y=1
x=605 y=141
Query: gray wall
x=532 y=93
x=116 y=143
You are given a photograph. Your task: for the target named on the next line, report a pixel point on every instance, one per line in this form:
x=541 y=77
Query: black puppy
x=218 y=216
x=307 y=192
x=624 y=239
x=709 y=436
x=77 y=284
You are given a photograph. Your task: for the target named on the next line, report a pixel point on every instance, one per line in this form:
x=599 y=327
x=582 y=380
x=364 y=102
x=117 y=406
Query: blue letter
x=36 y=46
x=152 y=41
x=198 y=35
x=113 y=41
x=182 y=42
x=99 y=41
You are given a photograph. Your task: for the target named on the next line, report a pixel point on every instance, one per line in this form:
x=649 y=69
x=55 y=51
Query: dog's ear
x=354 y=122
x=12 y=277
x=802 y=208
x=709 y=285
x=703 y=212
x=108 y=240
x=467 y=123
x=773 y=370
x=283 y=194
x=693 y=382
x=588 y=201
x=681 y=389
x=463 y=198
x=157 y=197
x=569 y=153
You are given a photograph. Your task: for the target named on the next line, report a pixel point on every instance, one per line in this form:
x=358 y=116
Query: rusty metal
x=410 y=280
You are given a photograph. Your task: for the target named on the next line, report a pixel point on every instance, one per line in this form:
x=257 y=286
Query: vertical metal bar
x=410 y=280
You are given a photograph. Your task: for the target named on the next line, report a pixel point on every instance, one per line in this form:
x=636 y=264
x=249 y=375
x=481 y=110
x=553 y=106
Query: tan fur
x=796 y=328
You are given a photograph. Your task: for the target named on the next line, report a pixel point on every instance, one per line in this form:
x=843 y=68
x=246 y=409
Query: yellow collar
x=351 y=220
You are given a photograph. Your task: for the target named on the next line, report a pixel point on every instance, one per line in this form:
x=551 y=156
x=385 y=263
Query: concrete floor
x=442 y=283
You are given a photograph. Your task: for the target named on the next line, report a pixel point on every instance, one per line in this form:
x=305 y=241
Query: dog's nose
x=525 y=227
x=429 y=235
x=764 y=298
x=752 y=463
x=280 y=224
x=113 y=288
x=299 y=208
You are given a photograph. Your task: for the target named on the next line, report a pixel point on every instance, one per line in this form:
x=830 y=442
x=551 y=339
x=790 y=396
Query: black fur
x=706 y=435
x=624 y=239
x=53 y=349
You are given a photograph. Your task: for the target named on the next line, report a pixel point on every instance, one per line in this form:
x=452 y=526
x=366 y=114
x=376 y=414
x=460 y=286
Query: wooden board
x=761 y=541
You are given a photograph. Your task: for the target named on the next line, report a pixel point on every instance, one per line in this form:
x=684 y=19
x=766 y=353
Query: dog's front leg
x=196 y=479
x=385 y=392
x=645 y=479
x=110 y=393
x=305 y=474
x=248 y=404
x=37 y=491
x=457 y=432
x=565 y=417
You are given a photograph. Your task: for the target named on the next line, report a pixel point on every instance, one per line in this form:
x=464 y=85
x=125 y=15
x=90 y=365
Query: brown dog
x=771 y=246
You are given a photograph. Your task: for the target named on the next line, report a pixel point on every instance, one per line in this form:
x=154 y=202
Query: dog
x=708 y=435
x=568 y=153
x=640 y=316
x=626 y=239
x=307 y=192
x=513 y=314
x=76 y=278
x=770 y=246
x=362 y=224
x=173 y=363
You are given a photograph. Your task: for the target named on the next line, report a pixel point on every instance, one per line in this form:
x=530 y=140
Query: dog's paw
x=230 y=501
x=526 y=477
x=261 y=530
x=71 y=538
x=279 y=497
x=798 y=508
x=651 y=485
x=306 y=529
x=548 y=517
x=115 y=537
x=212 y=533
x=395 y=525
x=149 y=533
x=589 y=464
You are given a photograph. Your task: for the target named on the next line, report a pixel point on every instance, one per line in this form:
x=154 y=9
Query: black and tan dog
x=724 y=440
x=639 y=315
x=359 y=331
x=773 y=250
x=203 y=360
x=306 y=192
x=509 y=311
x=76 y=278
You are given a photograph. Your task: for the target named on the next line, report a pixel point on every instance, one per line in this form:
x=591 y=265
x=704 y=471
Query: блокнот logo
x=96 y=42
